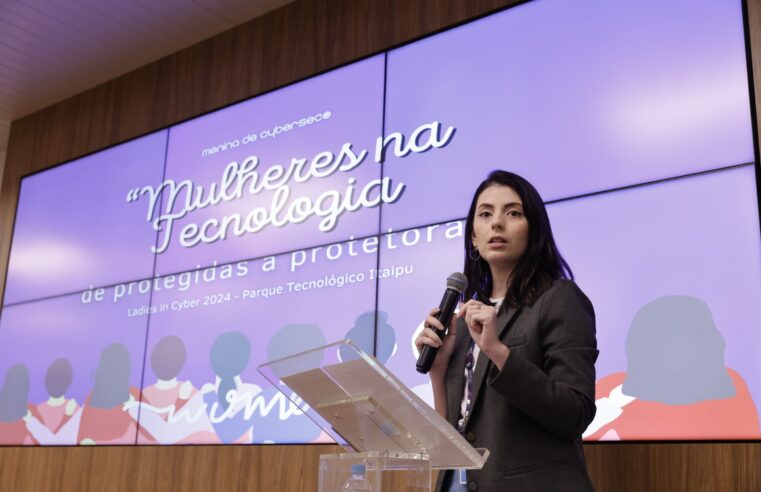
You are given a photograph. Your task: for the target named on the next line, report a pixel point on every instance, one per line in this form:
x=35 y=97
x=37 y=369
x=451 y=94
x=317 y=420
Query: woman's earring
x=476 y=256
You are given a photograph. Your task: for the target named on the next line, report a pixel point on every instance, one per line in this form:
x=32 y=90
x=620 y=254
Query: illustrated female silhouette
x=14 y=407
x=278 y=419
x=57 y=419
x=104 y=419
x=229 y=396
x=168 y=410
x=57 y=410
x=677 y=385
x=167 y=360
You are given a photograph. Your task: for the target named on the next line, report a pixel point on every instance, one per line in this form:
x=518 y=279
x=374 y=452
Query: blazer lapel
x=504 y=321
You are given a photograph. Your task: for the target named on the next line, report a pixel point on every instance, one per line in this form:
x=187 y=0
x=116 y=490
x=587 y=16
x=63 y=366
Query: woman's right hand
x=429 y=337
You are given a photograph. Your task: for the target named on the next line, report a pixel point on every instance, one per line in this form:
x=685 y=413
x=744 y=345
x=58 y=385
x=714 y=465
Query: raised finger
x=464 y=309
x=428 y=337
x=431 y=322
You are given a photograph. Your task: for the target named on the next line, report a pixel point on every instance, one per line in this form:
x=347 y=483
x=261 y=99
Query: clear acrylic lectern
x=367 y=410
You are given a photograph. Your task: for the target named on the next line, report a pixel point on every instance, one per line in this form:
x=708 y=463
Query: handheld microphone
x=456 y=284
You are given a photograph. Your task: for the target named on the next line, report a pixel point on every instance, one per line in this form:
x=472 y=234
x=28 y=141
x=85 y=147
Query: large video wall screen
x=149 y=279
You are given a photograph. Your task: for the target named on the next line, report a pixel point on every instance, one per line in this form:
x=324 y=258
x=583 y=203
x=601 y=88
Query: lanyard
x=470 y=361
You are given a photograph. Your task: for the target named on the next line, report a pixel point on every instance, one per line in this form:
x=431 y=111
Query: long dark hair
x=539 y=266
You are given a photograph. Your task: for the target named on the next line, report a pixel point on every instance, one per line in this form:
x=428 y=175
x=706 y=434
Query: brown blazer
x=530 y=415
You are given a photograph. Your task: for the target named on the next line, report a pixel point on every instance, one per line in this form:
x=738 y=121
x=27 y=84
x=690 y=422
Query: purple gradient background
x=354 y=96
x=74 y=227
x=694 y=236
x=575 y=96
x=37 y=333
x=334 y=310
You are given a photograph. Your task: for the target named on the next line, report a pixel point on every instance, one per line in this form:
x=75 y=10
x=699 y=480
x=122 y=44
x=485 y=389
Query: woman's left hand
x=481 y=320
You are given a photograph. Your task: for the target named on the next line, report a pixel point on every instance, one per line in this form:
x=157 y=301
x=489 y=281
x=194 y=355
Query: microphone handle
x=446 y=310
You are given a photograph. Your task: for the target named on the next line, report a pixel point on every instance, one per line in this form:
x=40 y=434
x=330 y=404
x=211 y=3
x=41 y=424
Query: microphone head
x=458 y=282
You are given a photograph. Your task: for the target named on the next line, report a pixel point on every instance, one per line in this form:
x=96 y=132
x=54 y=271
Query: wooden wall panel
x=705 y=467
x=149 y=468
x=294 y=42
x=629 y=467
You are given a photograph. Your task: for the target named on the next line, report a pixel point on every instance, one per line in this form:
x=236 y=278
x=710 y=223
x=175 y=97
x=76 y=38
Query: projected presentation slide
x=576 y=97
x=74 y=228
x=211 y=330
x=290 y=169
x=148 y=281
x=69 y=367
x=666 y=267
